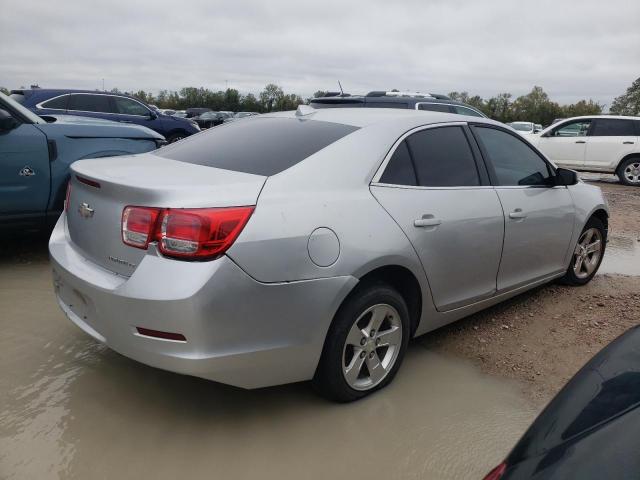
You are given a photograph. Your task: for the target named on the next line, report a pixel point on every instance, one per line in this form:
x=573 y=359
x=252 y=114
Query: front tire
x=365 y=344
x=174 y=137
x=587 y=254
x=629 y=172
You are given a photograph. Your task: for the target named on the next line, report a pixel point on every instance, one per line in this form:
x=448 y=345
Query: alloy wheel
x=632 y=172
x=587 y=253
x=372 y=347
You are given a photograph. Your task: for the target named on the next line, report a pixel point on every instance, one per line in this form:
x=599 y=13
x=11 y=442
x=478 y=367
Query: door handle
x=427 y=221
x=517 y=214
x=628 y=143
x=580 y=141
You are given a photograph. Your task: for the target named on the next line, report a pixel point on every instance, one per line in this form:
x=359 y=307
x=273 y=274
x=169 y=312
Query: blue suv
x=105 y=105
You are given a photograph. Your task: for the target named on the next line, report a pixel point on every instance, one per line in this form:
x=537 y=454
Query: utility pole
x=103 y=84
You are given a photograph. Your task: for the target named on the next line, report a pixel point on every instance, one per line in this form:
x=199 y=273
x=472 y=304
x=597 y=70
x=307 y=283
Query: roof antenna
x=341 y=91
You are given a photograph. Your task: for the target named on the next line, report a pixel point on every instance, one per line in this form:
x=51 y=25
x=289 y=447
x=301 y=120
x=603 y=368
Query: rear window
x=434 y=107
x=261 y=146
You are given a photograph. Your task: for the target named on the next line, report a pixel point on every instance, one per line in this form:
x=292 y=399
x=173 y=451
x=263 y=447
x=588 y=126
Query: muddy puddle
x=622 y=256
x=70 y=408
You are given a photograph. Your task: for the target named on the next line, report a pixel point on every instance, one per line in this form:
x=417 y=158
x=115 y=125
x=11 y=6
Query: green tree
x=583 y=107
x=271 y=94
x=249 y=103
x=629 y=102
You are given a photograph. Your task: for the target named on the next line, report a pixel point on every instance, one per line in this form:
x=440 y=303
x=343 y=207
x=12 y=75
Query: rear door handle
x=517 y=214
x=628 y=143
x=580 y=141
x=427 y=221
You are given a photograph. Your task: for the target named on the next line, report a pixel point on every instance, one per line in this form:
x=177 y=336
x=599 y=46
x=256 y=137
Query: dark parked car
x=35 y=156
x=378 y=99
x=105 y=105
x=196 y=111
x=591 y=429
x=211 y=119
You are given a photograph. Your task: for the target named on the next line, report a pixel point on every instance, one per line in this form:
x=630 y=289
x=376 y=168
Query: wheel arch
x=625 y=158
x=403 y=280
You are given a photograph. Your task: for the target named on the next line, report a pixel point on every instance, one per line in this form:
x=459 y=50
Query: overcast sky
x=573 y=49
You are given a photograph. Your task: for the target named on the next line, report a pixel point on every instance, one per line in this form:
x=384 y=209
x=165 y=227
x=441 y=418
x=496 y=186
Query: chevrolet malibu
x=314 y=244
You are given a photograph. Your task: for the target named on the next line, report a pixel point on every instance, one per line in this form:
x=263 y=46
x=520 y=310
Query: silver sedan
x=312 y=245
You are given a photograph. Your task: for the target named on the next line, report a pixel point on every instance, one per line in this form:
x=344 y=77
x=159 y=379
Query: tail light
x=139 y=225
x=497 y=473
x=66 y=197
x=190 y=234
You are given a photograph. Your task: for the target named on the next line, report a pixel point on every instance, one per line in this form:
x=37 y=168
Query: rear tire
x=365 y=344
x=629 y=172
x=587 y=254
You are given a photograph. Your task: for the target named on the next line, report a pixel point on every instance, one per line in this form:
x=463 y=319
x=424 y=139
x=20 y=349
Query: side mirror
x=566 y=176
x=7 y=122
x=153 y=115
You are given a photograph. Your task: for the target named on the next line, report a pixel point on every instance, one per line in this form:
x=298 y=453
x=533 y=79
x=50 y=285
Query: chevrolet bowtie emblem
x=85 y=210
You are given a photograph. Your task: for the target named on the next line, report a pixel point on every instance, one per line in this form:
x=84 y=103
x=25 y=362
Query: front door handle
x=517 y=214
x=580 y=141
x=427 y=221
x=628 y=143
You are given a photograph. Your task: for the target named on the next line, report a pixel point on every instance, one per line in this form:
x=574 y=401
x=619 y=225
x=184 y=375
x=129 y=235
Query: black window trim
x=489 y=166
x=481 y=168
x=112 y=103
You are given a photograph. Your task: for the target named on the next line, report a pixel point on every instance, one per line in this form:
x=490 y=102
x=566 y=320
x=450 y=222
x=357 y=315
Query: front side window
x=89 y=103
x=126 y=106
x=514 y=162
x=605 y=127
x=58 y=103
x=434 y=107
x=579 y=128
x=442 y=158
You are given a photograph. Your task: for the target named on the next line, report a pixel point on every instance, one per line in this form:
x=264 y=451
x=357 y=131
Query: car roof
x=615 y=117
x=42 y=94
x=361 y=117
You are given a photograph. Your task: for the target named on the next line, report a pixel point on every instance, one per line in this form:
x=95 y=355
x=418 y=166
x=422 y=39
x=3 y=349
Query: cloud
x=573 y=49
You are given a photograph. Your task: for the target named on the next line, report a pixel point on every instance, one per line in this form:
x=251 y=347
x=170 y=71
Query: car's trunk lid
x=101 y=188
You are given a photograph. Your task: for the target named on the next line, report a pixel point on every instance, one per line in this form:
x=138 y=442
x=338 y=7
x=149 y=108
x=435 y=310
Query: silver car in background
x=314 y=244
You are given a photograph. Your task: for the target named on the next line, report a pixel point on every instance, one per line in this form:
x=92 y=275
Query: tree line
x=535 y=106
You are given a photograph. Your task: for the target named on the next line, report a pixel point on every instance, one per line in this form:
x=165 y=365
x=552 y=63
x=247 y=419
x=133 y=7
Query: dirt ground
x=543 y=337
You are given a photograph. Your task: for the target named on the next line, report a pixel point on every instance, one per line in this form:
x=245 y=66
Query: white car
x=525 y=128
x=599 y=143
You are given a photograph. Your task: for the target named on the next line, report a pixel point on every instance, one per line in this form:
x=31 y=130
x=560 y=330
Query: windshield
x=522 y=126
x=4 y=100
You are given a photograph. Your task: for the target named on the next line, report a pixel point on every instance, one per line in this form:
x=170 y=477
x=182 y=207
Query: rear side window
x=465 y=111
x=434 y=107
x=58 y=103
x=89 y=103
x=514 y=162
x=605 y=127
x=442 y=158
x=400 y=169
x=259 y=145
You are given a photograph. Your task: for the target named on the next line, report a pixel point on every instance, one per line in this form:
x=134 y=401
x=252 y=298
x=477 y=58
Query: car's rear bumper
x=238 y=331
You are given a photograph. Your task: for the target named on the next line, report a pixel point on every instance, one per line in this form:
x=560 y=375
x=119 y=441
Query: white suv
x=600 y=143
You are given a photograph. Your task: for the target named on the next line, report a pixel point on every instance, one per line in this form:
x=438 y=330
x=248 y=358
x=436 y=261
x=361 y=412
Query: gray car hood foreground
x=85 y=127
